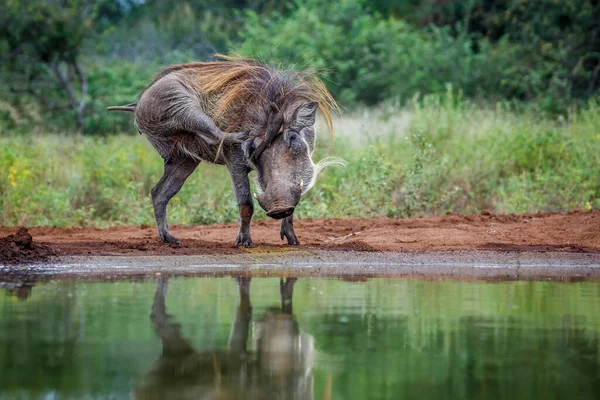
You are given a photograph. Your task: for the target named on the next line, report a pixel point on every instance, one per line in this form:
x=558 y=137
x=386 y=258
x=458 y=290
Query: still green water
x=212 y=338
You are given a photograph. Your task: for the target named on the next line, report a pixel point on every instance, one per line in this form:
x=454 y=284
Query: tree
x=43 y=39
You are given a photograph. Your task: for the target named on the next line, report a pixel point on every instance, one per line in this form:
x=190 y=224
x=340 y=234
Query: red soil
x=577 y=231
x=21 y=249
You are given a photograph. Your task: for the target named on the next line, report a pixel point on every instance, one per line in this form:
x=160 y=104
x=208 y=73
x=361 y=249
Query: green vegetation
x=466 y=105
x=443 y=153
x=64 y=61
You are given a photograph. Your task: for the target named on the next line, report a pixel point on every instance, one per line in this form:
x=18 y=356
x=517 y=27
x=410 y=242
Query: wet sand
x=325 y=263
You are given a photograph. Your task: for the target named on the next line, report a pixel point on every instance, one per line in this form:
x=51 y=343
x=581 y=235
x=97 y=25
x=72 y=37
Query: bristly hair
x=236 y=91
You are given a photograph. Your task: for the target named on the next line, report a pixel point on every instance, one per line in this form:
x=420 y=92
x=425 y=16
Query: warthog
x=279 y=367
x=242 y=114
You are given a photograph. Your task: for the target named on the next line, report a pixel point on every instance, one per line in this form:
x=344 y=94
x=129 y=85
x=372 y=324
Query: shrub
x=449 y=155
x=366 y=58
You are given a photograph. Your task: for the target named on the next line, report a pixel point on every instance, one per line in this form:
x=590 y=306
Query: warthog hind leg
x=176 y=172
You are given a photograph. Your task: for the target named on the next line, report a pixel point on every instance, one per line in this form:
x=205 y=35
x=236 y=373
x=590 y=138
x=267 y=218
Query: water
x=330 y=339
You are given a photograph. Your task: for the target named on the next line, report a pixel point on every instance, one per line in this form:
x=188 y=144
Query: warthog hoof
x=244 y=240
x=291 y=237
x=168 y=238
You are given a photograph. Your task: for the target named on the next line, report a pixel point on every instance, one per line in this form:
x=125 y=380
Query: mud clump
x=21 y=249
x=356 y=245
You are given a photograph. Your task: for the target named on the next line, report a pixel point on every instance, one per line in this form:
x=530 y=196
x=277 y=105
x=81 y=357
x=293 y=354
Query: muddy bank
x=574 y=232
x=20 y=248
x=539 y=246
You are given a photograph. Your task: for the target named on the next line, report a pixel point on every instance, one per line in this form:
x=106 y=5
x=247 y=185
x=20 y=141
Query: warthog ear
x=305 y=115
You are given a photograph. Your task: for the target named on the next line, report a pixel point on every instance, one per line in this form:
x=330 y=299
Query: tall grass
x=440 y=154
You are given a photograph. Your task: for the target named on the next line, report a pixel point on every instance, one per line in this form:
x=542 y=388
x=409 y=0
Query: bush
x=109 y=83
x=366 y=58
x=113 y=84
x=545 y=54
x=450 y=155
x=509 y=161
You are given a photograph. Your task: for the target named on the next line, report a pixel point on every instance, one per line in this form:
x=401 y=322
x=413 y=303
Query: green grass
x=440 y=154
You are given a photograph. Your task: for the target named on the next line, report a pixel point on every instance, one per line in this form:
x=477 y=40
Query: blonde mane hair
x=236 y=92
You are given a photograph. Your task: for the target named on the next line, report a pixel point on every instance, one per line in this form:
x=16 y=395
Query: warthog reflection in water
x=280 y=367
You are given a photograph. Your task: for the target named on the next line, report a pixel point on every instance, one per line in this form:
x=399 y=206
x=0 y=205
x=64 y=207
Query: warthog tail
x=128 y=107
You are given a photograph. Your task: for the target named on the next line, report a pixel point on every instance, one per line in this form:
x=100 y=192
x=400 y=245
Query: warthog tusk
x=255 y=196
x=301 y=184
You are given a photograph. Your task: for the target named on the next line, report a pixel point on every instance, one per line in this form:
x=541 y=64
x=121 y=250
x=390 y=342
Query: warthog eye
x=290 y=137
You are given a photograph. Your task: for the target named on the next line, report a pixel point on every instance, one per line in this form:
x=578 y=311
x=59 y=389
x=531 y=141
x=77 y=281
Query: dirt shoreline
x=530 y=246
x=577 y=232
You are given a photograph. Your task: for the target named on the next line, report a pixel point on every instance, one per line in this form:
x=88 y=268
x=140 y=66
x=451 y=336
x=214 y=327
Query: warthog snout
x=281 y=212
x=280 y=207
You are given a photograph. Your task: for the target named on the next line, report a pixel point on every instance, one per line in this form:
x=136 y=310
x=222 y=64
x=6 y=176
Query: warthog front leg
x=241 y=188
x=174 y=176
x=287 y=230
x=238 y=336
x=286 y=290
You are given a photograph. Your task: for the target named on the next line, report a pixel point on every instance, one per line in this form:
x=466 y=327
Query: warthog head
x=282 y=159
